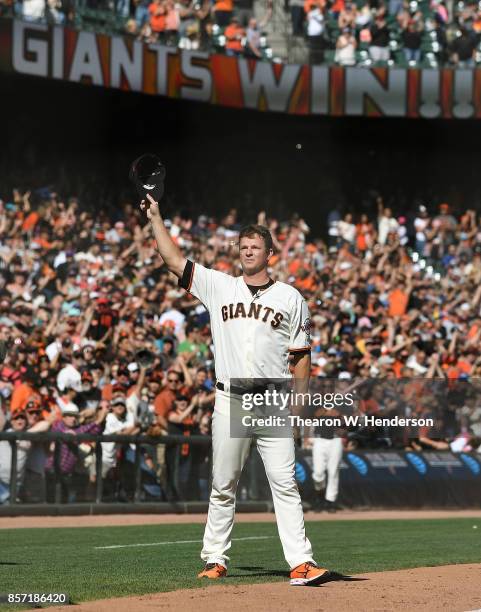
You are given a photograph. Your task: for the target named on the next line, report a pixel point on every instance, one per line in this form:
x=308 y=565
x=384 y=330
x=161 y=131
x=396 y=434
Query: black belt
x=242 y=390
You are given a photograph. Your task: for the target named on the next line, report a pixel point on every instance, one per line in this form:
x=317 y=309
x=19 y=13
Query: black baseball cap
x=148 y=173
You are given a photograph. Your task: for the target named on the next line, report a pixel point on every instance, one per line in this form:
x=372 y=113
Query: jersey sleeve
x=300 y=325
x=201 y=282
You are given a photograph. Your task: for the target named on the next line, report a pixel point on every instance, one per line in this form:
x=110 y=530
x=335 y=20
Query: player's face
x=253 y=254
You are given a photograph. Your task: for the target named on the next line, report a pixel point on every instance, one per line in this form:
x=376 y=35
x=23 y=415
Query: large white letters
x=277 y=94
x=203 y=92
x=86 y=60
x=391 y=100
x=22 y=44
x=122 y=62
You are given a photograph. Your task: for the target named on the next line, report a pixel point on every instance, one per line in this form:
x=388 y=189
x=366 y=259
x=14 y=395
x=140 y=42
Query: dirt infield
x=110 y=520
x=452 y=588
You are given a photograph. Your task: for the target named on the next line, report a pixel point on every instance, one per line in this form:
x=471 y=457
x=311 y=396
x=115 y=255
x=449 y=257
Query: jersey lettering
x=254 y=310
x=276 y=321
x=268 y=310
x=238 y=311
x=256 y=334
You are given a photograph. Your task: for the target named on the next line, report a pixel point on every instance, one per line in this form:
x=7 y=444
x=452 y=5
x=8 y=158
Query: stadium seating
x=432 y=54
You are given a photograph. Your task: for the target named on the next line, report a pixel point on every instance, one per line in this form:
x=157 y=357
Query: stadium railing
x=139 y=440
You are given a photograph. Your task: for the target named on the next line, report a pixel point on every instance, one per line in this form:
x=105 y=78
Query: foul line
x=178 y=542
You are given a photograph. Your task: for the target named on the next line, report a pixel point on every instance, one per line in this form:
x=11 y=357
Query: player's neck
x=259 y=278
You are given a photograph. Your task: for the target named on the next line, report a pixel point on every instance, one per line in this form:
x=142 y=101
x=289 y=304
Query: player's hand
x=150 y=206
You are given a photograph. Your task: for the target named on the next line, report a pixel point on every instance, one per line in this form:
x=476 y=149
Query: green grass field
x=69 y=560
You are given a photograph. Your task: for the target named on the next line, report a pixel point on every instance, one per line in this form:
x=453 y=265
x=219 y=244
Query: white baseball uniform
x=326 y=460
x=253 y=336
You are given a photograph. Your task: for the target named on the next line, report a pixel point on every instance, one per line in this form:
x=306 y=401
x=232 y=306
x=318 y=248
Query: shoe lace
x=307 y=567
x=209 y=566
x=212 y=566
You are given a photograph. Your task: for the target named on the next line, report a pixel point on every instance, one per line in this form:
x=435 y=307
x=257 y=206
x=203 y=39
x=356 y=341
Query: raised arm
x=168 y=250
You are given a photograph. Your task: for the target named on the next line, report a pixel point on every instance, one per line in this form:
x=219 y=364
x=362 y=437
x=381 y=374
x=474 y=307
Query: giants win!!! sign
x=113 y=61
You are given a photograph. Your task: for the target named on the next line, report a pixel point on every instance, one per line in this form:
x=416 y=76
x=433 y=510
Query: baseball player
x=256 y=323
x=326 y=461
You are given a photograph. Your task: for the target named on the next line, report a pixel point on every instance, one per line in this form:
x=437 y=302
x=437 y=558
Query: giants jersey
x=253 y=334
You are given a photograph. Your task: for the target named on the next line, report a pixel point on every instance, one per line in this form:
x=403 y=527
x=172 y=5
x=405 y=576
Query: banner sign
x=128 y=64
x=389 y=479
x=402 y=479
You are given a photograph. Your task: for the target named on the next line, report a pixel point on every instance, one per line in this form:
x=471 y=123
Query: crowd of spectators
x=373 y=32
x=222 y=25
x=102 y=339
x=346 y=32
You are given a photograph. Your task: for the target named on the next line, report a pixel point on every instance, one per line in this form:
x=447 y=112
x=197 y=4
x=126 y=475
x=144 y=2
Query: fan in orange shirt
x=318 y=3
x=398 y=302
x=294 y=265
x=157 y=12
x=364 y=234
x=43 y=241
x=465 y=363
x=223 y=12
x=24 y=392
x=234 y=33
x=30 y=222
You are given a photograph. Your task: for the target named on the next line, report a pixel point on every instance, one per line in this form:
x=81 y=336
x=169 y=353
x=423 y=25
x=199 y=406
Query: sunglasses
x=173 y=380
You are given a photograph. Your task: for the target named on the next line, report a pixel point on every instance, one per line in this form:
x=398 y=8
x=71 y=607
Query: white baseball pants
x=229 y=457
x=326 y=459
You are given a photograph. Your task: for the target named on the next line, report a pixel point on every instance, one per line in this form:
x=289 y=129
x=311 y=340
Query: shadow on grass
x=12 y=563
x=255 y=570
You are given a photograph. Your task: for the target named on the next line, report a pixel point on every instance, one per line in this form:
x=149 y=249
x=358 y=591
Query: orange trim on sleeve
x=300 y=350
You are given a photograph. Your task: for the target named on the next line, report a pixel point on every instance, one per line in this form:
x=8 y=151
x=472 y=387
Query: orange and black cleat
x=308 y=574
x=213 y=571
